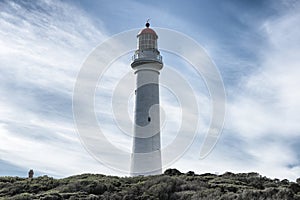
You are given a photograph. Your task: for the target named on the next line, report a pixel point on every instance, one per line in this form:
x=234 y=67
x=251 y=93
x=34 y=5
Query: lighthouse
x=146 y=63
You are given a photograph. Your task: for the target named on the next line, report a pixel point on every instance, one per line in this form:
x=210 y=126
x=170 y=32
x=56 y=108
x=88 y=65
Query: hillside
x=171 y=185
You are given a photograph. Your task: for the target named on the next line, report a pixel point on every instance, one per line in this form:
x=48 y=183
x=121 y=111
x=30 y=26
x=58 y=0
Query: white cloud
x=265 y=108
x=262 y=123
x=42 y=48
x=270 y=100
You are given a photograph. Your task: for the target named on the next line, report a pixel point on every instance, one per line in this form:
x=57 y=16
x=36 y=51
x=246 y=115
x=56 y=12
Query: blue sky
x=254 y=44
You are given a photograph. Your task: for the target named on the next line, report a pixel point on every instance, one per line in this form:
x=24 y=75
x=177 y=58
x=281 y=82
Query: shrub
x=190 y=173
x=23 y=196
x=172 y=185
x=295 y=187
x=298 y=181
x=172 y=172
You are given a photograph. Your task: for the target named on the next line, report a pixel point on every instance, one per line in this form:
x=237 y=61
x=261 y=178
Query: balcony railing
x=146 y=56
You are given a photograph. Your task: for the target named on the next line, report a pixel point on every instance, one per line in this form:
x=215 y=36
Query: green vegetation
x=170 y=185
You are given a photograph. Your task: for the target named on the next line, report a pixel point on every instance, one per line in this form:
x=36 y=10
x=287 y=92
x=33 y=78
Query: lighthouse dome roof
x=147 y=30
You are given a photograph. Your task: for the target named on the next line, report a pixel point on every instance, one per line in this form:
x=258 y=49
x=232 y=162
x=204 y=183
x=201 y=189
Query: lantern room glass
x=147 y=41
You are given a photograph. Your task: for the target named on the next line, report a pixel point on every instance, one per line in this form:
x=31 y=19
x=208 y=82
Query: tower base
x=146 y=163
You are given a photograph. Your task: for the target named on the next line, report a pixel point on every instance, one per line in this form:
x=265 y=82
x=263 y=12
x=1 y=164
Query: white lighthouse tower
x=147 y=62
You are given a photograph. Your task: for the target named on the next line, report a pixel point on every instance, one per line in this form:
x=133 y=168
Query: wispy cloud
x=43 y=45
x=264 y=109
x=261 y=130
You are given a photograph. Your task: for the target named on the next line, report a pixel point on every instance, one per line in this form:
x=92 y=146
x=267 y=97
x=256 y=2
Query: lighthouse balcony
x=147 y=56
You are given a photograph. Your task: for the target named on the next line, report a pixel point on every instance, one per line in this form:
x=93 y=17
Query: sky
x=254 y=44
